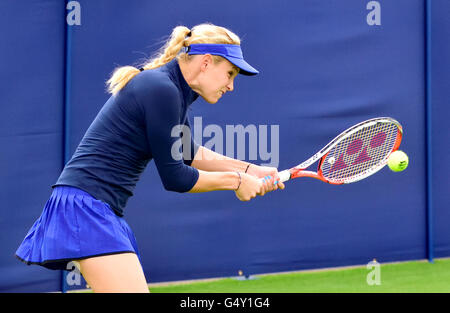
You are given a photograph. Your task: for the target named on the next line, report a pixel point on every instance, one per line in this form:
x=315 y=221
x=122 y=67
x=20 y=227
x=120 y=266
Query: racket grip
x=284 y=175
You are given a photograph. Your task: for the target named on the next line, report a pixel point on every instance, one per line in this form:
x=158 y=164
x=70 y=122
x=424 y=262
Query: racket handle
x=284 y=175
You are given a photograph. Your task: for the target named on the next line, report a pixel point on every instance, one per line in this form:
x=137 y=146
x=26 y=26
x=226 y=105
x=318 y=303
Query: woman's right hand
x=249 y=188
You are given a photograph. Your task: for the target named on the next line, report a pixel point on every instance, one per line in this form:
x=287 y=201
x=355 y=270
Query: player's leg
x=114 y=273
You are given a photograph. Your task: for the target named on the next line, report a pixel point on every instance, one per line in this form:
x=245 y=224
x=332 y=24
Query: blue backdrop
x=323 y=69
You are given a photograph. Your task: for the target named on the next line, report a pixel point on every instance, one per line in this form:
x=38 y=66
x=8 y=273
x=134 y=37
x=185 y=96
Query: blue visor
x=232 y=53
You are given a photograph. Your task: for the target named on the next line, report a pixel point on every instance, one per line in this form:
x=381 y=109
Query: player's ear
x=206 y=62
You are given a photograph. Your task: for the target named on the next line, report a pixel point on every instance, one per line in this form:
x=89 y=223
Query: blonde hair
x=181 y=37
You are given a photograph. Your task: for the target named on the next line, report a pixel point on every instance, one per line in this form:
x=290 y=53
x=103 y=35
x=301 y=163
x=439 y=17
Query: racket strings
x=363 y=151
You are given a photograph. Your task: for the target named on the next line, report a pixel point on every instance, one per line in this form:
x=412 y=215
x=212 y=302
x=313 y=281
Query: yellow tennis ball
x=398 y=161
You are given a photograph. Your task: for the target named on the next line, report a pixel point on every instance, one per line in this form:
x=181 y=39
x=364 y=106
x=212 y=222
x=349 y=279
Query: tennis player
x=83 y=219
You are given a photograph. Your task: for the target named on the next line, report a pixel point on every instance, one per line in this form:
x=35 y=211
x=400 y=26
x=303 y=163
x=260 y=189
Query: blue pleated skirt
x=74 y=226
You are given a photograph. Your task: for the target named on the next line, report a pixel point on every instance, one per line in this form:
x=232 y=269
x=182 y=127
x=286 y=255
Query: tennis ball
x=398 y=161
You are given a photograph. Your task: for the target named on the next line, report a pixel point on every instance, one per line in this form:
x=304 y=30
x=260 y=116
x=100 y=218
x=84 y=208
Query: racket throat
x=310 y=174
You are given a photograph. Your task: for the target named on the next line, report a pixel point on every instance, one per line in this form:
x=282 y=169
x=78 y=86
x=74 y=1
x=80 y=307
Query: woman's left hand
x=269 y=174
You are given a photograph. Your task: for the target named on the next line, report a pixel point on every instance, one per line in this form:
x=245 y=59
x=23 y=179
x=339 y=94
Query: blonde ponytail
x=203 y=33
x=124 y=74
x=120 y=78
x=170 y=49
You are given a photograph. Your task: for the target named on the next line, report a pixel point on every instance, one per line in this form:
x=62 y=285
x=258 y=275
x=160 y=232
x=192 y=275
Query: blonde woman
x=83 y=219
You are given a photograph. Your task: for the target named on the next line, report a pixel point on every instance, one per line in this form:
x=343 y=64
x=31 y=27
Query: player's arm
x=210 y=161
x=245 y=186
x=175 y=173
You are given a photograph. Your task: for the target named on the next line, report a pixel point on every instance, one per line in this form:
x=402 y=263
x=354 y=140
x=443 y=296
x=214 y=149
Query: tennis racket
x=358 y=152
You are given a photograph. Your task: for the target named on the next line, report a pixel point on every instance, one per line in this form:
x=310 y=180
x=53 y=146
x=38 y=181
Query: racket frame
x=299 y=170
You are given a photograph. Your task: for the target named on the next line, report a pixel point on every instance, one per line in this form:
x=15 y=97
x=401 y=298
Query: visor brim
x=244 y=68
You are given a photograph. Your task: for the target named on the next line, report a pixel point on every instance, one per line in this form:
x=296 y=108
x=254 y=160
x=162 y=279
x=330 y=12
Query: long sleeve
x=163 y=112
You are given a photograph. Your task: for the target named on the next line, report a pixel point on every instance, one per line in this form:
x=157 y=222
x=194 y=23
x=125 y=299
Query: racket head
x=356 y=153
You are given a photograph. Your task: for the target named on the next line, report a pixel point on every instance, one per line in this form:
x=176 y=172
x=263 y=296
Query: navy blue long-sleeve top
x=132 y=128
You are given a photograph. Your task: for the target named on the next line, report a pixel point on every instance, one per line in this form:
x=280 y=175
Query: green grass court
x=405 y=277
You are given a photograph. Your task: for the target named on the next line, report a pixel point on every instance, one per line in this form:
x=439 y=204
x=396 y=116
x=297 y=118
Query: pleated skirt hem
x=75 y=226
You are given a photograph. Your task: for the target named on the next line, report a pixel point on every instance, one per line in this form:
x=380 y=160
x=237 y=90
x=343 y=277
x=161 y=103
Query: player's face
x=217 y=79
